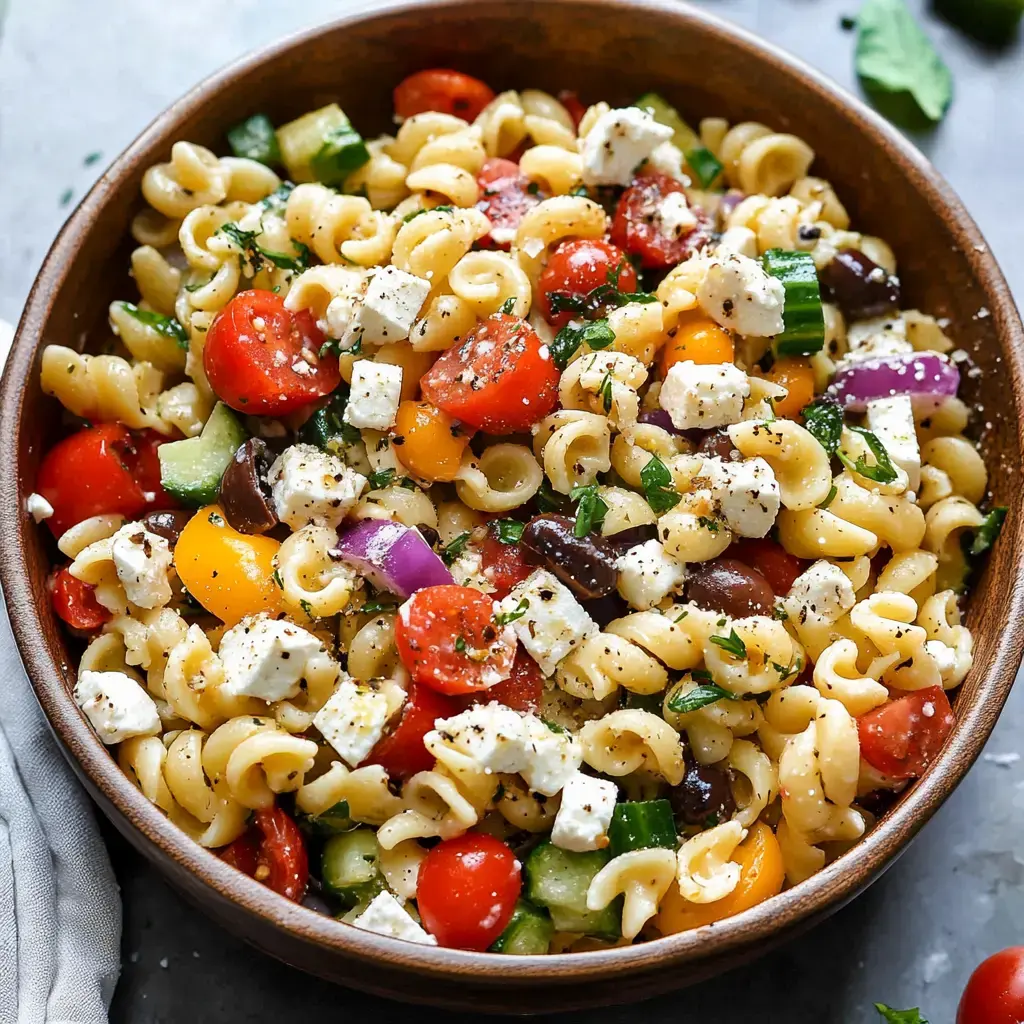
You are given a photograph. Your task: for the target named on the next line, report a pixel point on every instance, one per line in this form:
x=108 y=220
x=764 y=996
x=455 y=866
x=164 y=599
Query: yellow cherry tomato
x=761 y=876
x=697 y=339
x=797 y=377
x=230 y=574
x=428 y=441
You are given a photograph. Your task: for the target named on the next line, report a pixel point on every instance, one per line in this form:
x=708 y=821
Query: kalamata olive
x=704 y=797
x=429 y=534
x=606 y=609
x=859 y=286
x=168 y=524
x=633 y=535
x=718 y=442
x=730 y=586
x=244 y=491
x=586 y=565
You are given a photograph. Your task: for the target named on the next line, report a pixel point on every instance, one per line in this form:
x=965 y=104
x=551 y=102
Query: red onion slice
x=393 y=557
x=927 y=377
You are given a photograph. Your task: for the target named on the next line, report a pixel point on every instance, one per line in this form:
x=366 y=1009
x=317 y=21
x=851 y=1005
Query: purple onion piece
x=659 y=418
x=927 y=377
x=728 y=203
x=391 y=556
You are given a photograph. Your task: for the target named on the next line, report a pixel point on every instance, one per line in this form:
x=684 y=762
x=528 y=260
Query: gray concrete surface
x=78 y=78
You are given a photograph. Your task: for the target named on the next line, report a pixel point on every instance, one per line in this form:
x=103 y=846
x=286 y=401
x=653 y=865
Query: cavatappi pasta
x=560 y=486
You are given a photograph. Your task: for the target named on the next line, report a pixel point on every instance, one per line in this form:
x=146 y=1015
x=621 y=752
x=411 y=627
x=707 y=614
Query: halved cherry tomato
x=697 y=339
x=995 y=991
x=521 y=691
x=447 y=639
x=273 y=852
x=467 y=890
x=771 y=560
x=902 y=738
x=450 y=92
x=574 y=106
x=503 y=565
x=75 y=602
x=506 y=196
x=572 y=273
x=636 y=227
x=243 y=854
x=401 y=752
x=147 y=470
x=797 y=377
x=500 y=378
x=265 y=360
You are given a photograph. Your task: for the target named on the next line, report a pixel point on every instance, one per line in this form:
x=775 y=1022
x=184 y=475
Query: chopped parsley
x=307 y=608
x=460 y=644
x=657 y=484
x=165 y=325
x=699 y=697
x=446 y=208
x=258 y=257
x=380 y=478
x=504 y=618
x=590 y=510
x=454 y=548
x=731 y=644
x=508 y=531
x=555 y=727
x=508 y=307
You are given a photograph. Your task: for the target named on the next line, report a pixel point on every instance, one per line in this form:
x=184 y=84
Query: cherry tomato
x=521 y=691
x=450 y=92
x=506 y=197
x=401 y=752
x=637 y=229
x=500 y=378
x=771 y=560
x=448 y=640
x=574 y=106
x=428 y=441
x=572 y=273
x=901 y=738
x=75 y=602
x=147 y=470
x=244 y=853
x=263 y=359
x=503 y=565
x=698 y=339
x=797 y=377
x=995 y=991
x=467 y=890
x=273 y=852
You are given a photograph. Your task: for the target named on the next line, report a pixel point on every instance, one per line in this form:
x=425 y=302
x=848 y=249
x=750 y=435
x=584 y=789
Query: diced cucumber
x=803 y=316
x=349 y=866
x=527 y=934
x=255 y=139
x=640 y=825
x=559 y=879
x=322 y=146
x=191 y=470
x=326 y=429
x=332 y=821
x=704 y=164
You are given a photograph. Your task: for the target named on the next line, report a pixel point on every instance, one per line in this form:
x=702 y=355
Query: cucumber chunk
x=559 y=879
x=702 y=162
x=332 y=821
x=803 y=316
x=255 y=139
x=640 y=825
x=191 y=470
x=527 y=934
x=322 y=146
x=349 y=867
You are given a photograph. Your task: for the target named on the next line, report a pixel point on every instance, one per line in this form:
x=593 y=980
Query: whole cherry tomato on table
x=450 y=92
x=903 y=737
x=505 y=196
x=995 y=991
x=273 y=852
x=401 y=752
x=576 y=268
x=75 y=602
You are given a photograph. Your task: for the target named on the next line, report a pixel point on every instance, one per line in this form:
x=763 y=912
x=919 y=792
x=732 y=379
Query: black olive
x=859 y=286
x=730 y=586
x=428 y=533
x=718 y=442
x=704 y=797
x=586 y=565
x=244 y=491
x=606 y=609
x=168 y=524
x=633 y=535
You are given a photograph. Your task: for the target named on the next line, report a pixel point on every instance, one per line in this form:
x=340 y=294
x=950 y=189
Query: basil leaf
x=590 y=511
x=380 y=478
x=508 y=306
x=699 y=697
x=547 y=500
x=454 y=548
x=731 y=644
x=823 y=419
x=895 y=57
x=704 y=164
x=165 y=325
x=446 y=208
x=657 y=484
x=257 y=256
x=986 y=534
x=891 y=1016
x=829 y=498
x=597 y=334
x=504 y=618
x=508 y=531
x=882 y=472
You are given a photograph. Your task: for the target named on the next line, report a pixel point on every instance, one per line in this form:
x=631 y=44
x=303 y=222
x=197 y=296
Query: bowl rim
x=830 y=887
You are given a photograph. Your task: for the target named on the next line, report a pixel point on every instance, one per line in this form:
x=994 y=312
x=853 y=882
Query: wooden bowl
x=605 y=49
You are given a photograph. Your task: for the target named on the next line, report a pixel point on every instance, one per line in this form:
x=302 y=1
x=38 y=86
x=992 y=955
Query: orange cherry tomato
x=75 y=602
x=450 y=92
x=903 y=737
x=698 y=339
x=428 y=441
x=794 y=374
x=230 y=574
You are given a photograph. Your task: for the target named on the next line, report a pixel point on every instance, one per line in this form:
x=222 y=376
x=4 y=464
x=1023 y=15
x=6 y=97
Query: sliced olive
x=244 y=491
x=606 y=609
x=633 y=535
x=718 y=442
x=429 y=534
x=704 y=797
x=168 y=524
x=584 y=564
x=859 y=286
x=730 y=586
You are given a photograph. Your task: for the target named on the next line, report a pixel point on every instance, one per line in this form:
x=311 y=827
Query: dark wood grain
x=605 y=50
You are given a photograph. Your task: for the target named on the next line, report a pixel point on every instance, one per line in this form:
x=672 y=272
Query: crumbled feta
x=503 y=235
x=891 y=420
x=142 y=561
x=647 y=575
x=674 y=216
x=38 y=507
x=945 y=659
x=374 y=395
x=388 y=309
x=384 y=915
x=738 y=241
x=585 y=813
x=880 y=336
x=551 y=622
x=746 y=492
x=116 y=705
x=551 y=756
x=667 y=159
x=311 y=486
x=266 y=658
x=699 y=395
x=467 y=571
x=821 y=595
x=353 y=720
x=618 y=142
x=740 y=295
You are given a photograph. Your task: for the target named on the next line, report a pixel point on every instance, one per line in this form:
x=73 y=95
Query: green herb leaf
x=657 y=484
x=605 y=392
x=882 y=472
x=823 y=418
x=255 y=139
x=454 y=548
x=165 y=325
x=508 y=307
x=508 y=531
x=699 y=697
x=779 y=613
x=590 y=511
x=447 y=208
x=547 y=499
x=731 y=644
x=829 y=498
x=891 y=1016
x=705 y=165
x=257 y=256
x=555 y=727
x=504 y=618
x=380 y=478
x=597 y=334
x=993 y=22
x=307 y=608
x=374 y=607
x=987 y=533
x=460 y=644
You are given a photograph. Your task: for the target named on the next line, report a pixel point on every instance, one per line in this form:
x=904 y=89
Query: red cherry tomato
x=147 y=470
x=503 y=565
x=573 y=105
x=450 y=92
x=506 y=196
x=499 y=379
x=273 y=852
x=244 y=853
x=771 y=560
x=995 y=991
x=263 y=359
x=574 y=270
x=521 y=691
x=447 y=639
x=401 y=752
x=636 y=227
x=75 y=602
x=901 y=738
x=467 y=890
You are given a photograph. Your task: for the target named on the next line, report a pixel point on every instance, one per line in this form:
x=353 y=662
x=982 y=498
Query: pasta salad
x=537 y=530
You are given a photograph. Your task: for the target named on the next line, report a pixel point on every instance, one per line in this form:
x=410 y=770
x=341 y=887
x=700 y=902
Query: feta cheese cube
x=667 y=159
x=945 y=658
x=142 y=561
x=491 y=735
x=618 y=142
x=697 y=395
x=551 y=756
x=820 y=596
x=375 y=393
x=674 y=216
x=740 y=295
x=647 y=575
x=585 y=813
x=384 y=915
x=311 y=486
x=746 y=492
x=879 y=336
x=892 y=422
x=267 y=658
x=738 y=241
x=116 y=705
x=38 y=507
x=353 y=720
x=388 y=309
x=467 y=571
x=551 y=621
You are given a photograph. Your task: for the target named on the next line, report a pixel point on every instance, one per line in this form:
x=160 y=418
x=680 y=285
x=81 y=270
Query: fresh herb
x=447 y=208
x=657 y=484
x=779 y=613
x=332 y=346
x=823 y=418
x=580 y=190
x=91 y=158
x=882 y=472
x=709 y=524
x=533 y=188
x=380 y=478
x=847 y=23
x=731 y=644
x=255 y=139
x=215 y=519
x=989 y=21
x=278 y=199
x=597 y=334
x=547 y=500
x=504 y=618
x=165 y=325
x=326 y=428
x=66 y=196
x=257 y=256
x=508 y=531
x=460 y=644
x=985 y=535
x=705 y=165
x=555 y=727
x=508 y=306
x=896 y=60
x=605 y=392
x=832 y=492
x=682 y=615
x=307 y=608
x=891 y=1016
x=454 y=548
x=699 y=697
x=590 y=511
x=599 y=298
x=277 y=578
x=377 y=606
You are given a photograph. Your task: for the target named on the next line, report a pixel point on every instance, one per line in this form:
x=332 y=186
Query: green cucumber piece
x=559 y=879
x=528 y=933
x=255 y=139
x=322 y=146
x=641 y=825
x=704 y=164
x=191 y=470
x=803 y=316
x=350 y=866
x=326 y=429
